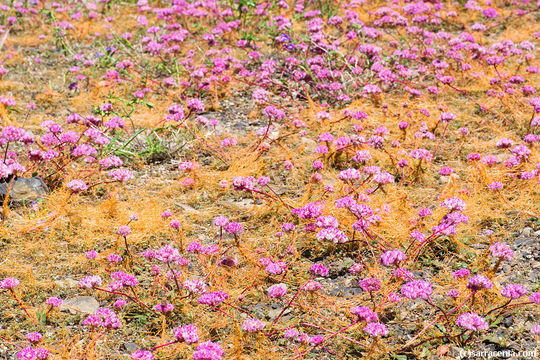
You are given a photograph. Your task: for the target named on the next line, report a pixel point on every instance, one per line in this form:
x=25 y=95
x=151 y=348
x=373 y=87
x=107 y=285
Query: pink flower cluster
x=252 y=325
x=479 y=282
x=188 y=334
x=501 y=250
x=472 y=321
x=9 y=283
x=103 y=317
x=213 y=298
x=417 y=289
x=208 y=351
x=364 y=313
x=392 y=257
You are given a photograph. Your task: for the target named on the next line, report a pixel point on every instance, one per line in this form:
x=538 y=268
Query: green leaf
x=497 y=321
x=42 y=317
x=125 y=153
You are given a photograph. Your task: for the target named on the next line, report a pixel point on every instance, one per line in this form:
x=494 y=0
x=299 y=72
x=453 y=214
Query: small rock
x=275 y=311
x=308 y=141
x=245 y=204
x=273 y=135
x=527 y=232
x=130 y=347
x=81 y=304
x=340 y=267
x=508 y=321
x=66 y=283
x=537 y=233
x=479 y=246
x=524 y=241
x=309 y=145
x=456 y=352
x=186 y=208
x=24 y=189
x=344 y=291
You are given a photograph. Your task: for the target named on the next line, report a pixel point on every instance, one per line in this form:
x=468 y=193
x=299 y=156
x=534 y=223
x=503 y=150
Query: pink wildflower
x=252 y=325
x=54 y=301
x=370 y=284
x=392 y=257
x=277 y=291
x=318 y=269
x=479 y=282
x=472 y=321
x=417 y=289
x=501 y=251
x=461 y=273
x=208 y=351
x=77 y=186
x=188 y=334
x=34 y=337
x=9 y=283
x=364 y=314
x=513 y=291
x=142 y=355
x=90 y=282
x=376 y=329
x=124 y=230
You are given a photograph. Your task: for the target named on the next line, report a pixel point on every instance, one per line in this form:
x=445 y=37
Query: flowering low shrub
x=60 y=155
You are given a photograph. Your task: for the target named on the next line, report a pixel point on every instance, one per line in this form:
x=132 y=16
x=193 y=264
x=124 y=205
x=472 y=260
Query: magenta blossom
x=188 y=334
x=376 y=329
x=472 y=321
x=501 y=251
x=479 y=282
x=364 y=314
x=513 y=291
x=318 y=269
x=208 y=351
x=392 y=257
x=370 y=284
x=252 y=325
x=417 y=289
x=9 y=283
